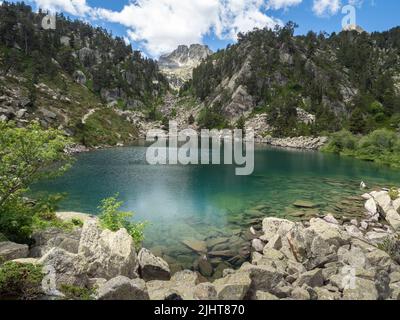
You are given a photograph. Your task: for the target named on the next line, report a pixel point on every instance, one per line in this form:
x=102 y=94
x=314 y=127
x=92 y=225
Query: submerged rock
x=305 y=204
x=196 y=245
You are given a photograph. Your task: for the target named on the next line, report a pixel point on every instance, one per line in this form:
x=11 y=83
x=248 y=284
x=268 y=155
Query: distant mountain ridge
x=178 y=65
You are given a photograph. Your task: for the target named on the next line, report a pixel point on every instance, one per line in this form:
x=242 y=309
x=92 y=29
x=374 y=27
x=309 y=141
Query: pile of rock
x=320 y=259
x=380 y=204
x=307 y=143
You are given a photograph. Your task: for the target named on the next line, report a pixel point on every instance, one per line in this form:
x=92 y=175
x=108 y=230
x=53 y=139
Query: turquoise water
x=201 y=202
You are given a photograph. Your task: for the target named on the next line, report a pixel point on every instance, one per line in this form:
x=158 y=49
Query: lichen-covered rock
x=313 y=278
x=362 y=290
x=181 y=285
x=50 y=238
x=233 y=287
x=265 y=296
x=300 y=294
x=66 y=268
x=330 y=233
x=108 y=254
x=273 y=226
x=152 y=267
x=123 y=288
x=11 y=251
x=264 y=277
x=205 y=291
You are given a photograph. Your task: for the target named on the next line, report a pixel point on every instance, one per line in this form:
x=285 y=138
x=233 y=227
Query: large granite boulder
x=65 y=268
x=47 y=239
x=108 y=254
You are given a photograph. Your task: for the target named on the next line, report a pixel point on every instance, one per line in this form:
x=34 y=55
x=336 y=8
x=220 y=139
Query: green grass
x=20 y=281
x=77 y=293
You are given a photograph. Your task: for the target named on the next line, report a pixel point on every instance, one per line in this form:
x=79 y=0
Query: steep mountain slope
x=58 y=76
x=179 y=64
x=303 y=84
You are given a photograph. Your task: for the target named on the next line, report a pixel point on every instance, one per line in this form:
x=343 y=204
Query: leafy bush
x=27 y=155
x=77 y=293
x=20 y=281
x=381 y=146
x=340 y=142
x=114 y=220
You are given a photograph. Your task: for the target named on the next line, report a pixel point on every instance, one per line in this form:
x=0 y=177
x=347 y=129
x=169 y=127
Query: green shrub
x=27 y=155
x=340 y=142
x=381 y=146
x=77 y=293
x=77 y=222
x=20 y=281
x=114 y=220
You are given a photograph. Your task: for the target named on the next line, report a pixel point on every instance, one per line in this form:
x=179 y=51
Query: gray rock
x=275 y=242
x=258 y=245
x=108 y=254
x=371 y=206
x=233 y=287
x=271 y=226
x=79 y=77
x=331 y=219
x=50 y=238
x=66 y=267
x=205 y=267
x=300 y=294
x=330 y=233
x=324 y=294
x=362 y=290
x=11 y=251
x=204 y=292
x=152 y=267
x=122 y=288
x=264 y=277
x=181 y=285
x=48 y=114
x=313 y=278
x=265 y=296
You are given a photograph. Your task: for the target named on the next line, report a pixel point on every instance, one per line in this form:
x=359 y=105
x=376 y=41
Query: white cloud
x=282 y=4
x=75 y=7
x=161 y=25
x=326 y=7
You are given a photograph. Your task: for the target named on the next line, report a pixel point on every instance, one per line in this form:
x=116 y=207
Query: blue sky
x=158 y=26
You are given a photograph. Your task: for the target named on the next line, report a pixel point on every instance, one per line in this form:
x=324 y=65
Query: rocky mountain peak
x=184 y=56
x=178 y=65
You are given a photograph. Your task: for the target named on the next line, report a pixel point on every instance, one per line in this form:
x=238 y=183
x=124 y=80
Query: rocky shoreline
x=300 y=143
x=317 y=259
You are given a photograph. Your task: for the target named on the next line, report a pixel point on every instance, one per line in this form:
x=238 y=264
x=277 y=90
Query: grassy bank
x=381 y=146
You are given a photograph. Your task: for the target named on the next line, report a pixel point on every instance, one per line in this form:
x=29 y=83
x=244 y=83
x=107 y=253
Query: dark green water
x=204 y=201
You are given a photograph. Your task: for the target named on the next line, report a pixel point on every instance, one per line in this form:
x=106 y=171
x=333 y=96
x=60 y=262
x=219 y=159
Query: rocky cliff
x=179 y=64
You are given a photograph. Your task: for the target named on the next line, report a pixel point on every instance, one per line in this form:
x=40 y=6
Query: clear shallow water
x=201 y=202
